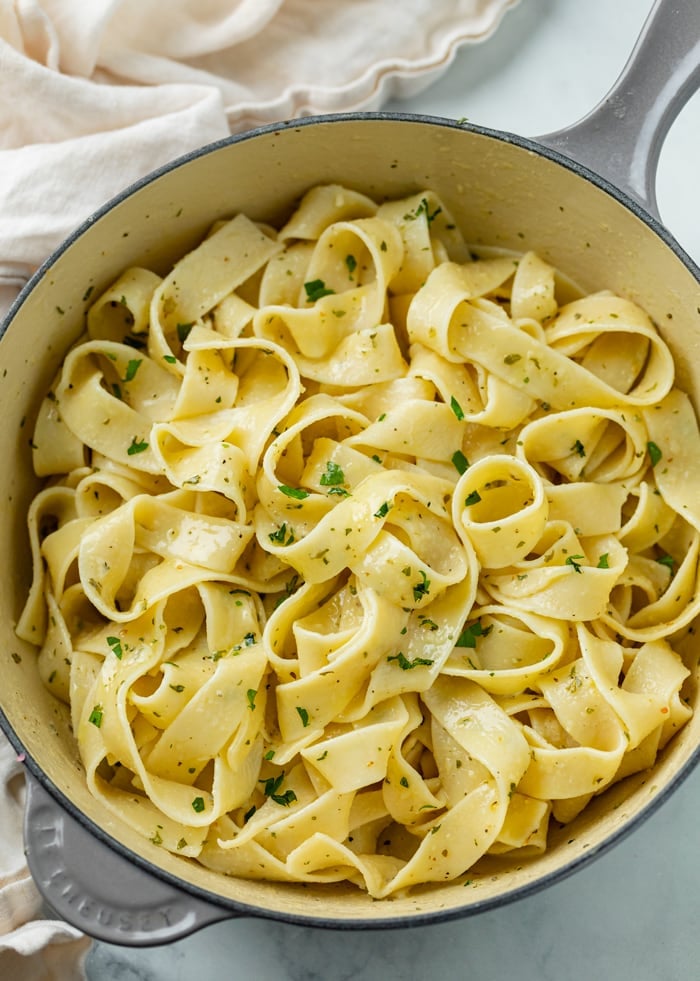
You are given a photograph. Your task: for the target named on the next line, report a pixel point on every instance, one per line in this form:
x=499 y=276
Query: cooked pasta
x=359 y=557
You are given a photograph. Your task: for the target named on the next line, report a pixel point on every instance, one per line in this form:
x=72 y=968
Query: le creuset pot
x=582 y=198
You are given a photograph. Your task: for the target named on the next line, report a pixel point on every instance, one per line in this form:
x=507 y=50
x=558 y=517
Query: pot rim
x=504 y=136
x=236 y=907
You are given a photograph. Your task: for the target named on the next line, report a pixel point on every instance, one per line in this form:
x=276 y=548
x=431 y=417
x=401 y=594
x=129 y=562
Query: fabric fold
x=95 y=98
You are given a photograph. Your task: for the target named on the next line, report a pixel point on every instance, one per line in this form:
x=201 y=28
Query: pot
x=583 y=198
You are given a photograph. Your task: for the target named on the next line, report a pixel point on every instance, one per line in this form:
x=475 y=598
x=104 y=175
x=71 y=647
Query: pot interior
x=502 y=193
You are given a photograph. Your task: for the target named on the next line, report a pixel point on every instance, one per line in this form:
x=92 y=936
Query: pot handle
x=99 y=891
x=621 y=138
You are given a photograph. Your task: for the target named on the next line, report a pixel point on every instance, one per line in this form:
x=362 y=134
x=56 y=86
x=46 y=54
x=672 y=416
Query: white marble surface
x=632 y=912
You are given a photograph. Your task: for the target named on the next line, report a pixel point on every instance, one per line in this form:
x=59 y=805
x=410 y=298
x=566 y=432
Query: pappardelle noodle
x=359 y=557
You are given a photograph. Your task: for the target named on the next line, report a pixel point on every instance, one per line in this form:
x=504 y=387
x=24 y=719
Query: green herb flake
x=116 y=647
x=470 y=633
x=333 y=476
x=456 y=408
x=667 y=560
x=512 y=358
x=421 y=588
x=131 y=369
x=655 y=454
x=280 y=537
x=170 y=358
x=272 y=784
x=297 y=493
x=198 y=805
x=406 y=665
x=460 y=462
x=472 y=498
x=423 y=209
x=136 y=446
x=572 y=560
x=178 y=688
x=285 y=799
x=578 y=447
x=183 y=331
x=95 y=716
x=303 y=715
x=250 y=695
x=315 y=289
x=382 y=510
x=351 y=263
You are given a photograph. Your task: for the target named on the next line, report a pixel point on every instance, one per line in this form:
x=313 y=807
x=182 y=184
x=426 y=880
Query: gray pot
x=595 y=219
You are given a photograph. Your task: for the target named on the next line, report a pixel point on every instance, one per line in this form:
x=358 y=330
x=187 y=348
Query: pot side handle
x=621 y=138
x=99 y=891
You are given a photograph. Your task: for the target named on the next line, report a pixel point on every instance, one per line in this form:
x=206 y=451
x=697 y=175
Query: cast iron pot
x=594 y=219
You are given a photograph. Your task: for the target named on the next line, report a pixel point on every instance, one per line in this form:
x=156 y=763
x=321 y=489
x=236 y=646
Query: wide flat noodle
x=360 y=557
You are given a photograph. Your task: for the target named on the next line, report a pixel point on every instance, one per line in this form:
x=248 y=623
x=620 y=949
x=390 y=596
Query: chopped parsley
x=270 y=787
x=250 y=695
x=183 y=331
x=406 y=665
x=285 y=799
x=460 y=462
x=456 y=408
x=470 y=632
x=667 y=560
x=198 y=804
x=303 y=715
x=472 y=498
x=333 y=476
x=655 y=453
x=603 y=561
x=116 y=646
x=422 y=209
x=131 y=369
x=136 y=446
x=315 y=289
x=382 y=510
x=421 y=588
x=280 y=537
x=295 y=492
x=351 y=263
x=578 y=447
x=95 y=716
x=572 y=560
x=512 y=358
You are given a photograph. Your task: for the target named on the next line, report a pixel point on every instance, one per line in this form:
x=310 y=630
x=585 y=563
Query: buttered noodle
x=359 y=558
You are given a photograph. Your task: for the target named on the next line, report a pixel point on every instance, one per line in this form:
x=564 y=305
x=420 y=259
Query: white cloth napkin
x=93 y=95
x=32 y=947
